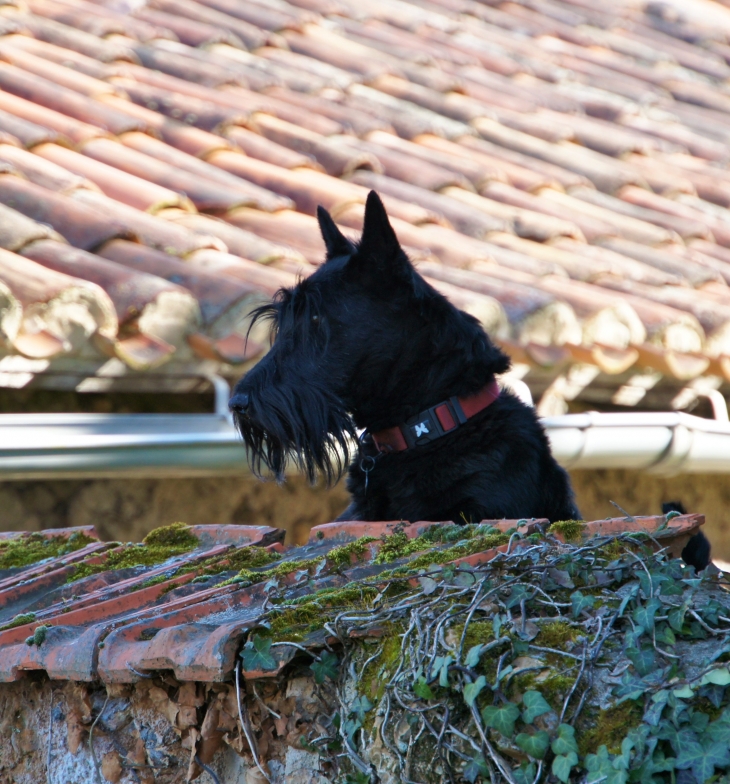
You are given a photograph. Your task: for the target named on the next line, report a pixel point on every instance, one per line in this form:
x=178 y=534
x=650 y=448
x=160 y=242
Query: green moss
x=158 y=546
x=249 y=577
x=477 y=544
x=556 y=634
x=19 y=620
x=398 y=545
x=161 y=578
x=175 y=535
x=571 y=530
x=342 y=555
x=555 y=687
x=307 y=614
x=38 y=637
x=27 y=550
x=477 y=633
x=608 y=727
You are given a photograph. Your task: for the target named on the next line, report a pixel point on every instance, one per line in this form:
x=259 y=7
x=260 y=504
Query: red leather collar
x=435 y=422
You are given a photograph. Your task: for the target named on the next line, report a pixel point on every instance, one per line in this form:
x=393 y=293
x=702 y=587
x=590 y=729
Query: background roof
x=556 y=168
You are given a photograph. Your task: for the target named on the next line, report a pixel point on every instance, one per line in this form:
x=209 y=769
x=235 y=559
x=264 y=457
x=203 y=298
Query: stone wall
x=127 y=509
x=640 y=493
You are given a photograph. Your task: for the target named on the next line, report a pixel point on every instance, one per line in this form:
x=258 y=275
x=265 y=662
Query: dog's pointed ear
x=335 y=241
x=378 y=240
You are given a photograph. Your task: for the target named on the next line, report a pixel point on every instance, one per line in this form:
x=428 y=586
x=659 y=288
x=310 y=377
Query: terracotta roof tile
x=188 y=614
x=49 y=326
x=17 y=230
x=164 y=235
x=83 y=226
x=114 y=182
x=144 y=302
x=42 y=172
x=76 y=40
x=542 y=151
x=251 y=35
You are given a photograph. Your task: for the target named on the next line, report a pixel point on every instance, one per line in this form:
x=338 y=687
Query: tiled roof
x=557 y=168
x=81 y=609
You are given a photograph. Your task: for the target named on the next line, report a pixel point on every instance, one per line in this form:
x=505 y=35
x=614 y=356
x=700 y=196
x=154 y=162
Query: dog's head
x=361 y=341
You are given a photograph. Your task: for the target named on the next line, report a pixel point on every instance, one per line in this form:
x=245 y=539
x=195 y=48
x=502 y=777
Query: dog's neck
x=407 y=392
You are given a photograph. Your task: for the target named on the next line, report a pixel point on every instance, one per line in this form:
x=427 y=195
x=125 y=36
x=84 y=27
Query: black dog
x=366 y=342
x=697 y=550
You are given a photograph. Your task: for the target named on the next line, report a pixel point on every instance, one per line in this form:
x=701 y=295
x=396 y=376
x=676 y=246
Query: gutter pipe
x=78 y=446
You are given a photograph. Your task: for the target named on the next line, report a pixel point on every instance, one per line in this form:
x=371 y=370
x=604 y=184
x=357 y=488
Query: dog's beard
x=307 y=426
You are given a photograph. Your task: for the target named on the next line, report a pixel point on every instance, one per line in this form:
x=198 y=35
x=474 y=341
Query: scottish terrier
x=366 y=344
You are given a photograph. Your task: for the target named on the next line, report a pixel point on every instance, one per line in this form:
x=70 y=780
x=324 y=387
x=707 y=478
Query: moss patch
x=19 y=620
x=342 y=555
x=158 y=546
x=609 y=727
x=306 y=615
x=249 y=577
x=571 y=530
x=27 y=550
x=557 y=634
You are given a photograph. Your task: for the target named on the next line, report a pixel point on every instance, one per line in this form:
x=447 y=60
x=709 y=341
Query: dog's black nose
x=238 y=404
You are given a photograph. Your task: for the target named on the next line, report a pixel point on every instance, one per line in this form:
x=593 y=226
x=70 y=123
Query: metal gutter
x=77 y=446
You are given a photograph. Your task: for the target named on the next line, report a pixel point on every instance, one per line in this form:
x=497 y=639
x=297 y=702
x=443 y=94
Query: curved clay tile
x=236 y=240
x=336 y=156
x=18 y=230
x=144 y=303
x=251 y=35
x=445 y=154
x=149 y=229
x=522 y=222
x=224 y=304
x=586 y=262
x=533 y=315
x=210 y=189
x=54 y=304
x=66 y=127
x=113 y=182
x=43 y=172
x=263 y=149
x=82 y=226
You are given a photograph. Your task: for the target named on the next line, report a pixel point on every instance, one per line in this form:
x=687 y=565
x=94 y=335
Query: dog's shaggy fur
x=366 y=342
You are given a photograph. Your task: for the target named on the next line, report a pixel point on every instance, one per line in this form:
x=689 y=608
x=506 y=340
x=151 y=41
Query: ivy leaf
x=535 y=705
x=501 y=718
x=326 y=667
x=360 y=706
x=473 y=655
x=472 y=690
x=654 y=711
x=580 y=603
x=683 y=692
x=256 y=654
x=535 y=745
x=562 y=765
x=719 y=677
x=441 y=669
x=719 y=732
x=464 y=578
x=666 y=635
x=629 y=596
x=702 y=759
x=422 y=689
x=351 y=726
x=565 y=742
x=475 y=768
x=642 y=658
x=428 y=585
x=496 y=625
x=644 y=614
x=525 y=774
x=518 y=594
x=676 y=617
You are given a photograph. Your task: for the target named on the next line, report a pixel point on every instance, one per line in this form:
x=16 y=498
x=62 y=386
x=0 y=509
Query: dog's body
x=365 y=342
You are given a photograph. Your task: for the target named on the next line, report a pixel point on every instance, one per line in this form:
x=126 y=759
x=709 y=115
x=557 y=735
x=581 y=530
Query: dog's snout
x=239 y=403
